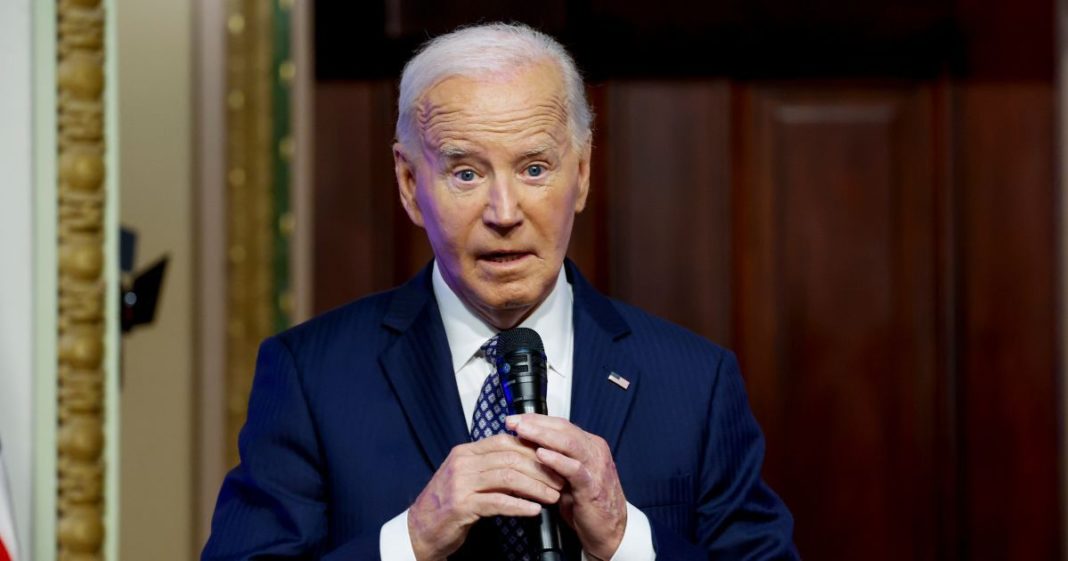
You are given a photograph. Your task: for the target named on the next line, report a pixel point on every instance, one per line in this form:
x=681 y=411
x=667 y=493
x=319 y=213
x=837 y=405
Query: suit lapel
x=598 y=405
x=419 y=369
x=418 y=366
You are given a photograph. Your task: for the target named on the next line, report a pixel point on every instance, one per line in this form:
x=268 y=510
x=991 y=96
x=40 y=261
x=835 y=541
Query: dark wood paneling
x=589 y=235
x=407 y=18
x=612 y=39
x=669 y=179
x=836 y=277
x=1006 y=41
x=880 y=257
x=356 y=202
x=1008 y=366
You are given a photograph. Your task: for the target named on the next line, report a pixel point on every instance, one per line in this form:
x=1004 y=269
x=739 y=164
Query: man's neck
x=501 y=319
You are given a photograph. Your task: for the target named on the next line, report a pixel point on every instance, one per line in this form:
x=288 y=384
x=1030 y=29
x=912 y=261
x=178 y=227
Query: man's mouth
x=504 y=256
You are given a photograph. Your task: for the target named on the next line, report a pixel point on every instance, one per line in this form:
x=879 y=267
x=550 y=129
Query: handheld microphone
x=522 y=369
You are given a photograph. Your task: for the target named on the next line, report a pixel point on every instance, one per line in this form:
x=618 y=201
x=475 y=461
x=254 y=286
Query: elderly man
x=366 y=433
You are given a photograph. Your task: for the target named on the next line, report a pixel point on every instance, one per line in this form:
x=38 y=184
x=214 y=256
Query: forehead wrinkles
x=454 y=120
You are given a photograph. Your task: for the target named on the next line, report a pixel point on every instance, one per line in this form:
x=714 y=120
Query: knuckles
x=501 y=440
x=502 y=502
x=454 y=464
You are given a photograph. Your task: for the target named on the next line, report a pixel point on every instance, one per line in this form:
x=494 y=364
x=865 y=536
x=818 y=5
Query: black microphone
x=524 y=377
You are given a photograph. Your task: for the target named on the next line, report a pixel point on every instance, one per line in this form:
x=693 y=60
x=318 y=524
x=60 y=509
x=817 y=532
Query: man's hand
x=593 y=504
x=491 y=477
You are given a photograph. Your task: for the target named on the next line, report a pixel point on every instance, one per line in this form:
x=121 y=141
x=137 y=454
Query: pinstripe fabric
x=351 y=413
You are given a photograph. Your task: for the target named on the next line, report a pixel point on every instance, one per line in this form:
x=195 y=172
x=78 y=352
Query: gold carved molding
x=258 y=223
x=81 y=314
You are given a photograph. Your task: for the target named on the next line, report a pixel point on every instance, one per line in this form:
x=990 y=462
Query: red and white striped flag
x=8 y=547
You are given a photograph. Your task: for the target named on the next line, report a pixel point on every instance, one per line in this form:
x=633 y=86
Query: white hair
x=488 y=50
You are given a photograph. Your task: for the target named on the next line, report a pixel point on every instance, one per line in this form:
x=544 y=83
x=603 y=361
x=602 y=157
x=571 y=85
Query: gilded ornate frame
x=259 y=150
x=82 y=324
x=259 y=223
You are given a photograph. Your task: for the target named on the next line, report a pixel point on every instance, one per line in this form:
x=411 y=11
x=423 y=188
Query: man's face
x=496 y=182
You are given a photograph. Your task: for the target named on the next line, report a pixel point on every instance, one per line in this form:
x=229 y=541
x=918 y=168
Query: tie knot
x=489 y=349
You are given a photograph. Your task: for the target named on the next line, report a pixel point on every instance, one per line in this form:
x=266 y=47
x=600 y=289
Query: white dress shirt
x=466 y=333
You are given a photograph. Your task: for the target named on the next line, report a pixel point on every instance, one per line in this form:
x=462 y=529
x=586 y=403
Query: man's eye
x=466 y=175
x=535 y=170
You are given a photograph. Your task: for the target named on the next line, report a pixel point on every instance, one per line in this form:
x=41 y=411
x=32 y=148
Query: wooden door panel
x=835 y=270
x=668 y=191
x=1007 y=344
x=364 y=241
x=355 y=192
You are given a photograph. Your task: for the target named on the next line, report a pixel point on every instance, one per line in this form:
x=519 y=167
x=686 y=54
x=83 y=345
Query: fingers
x=501 y=504
x=526 y=462
x=558 y=435
x=507 y=452
x=496 y=476
x=567 y=508
x=572 y=469
x=594 y=503
x=498 y=443
x=502 y=464
x=514 y=483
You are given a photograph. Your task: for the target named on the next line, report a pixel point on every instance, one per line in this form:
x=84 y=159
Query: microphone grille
x=519 y=338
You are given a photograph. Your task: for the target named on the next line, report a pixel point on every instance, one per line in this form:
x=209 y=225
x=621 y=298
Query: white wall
x=16 y=258
x=155 y=91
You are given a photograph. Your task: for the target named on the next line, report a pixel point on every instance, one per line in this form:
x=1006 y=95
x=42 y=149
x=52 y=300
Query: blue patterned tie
x=488 y=420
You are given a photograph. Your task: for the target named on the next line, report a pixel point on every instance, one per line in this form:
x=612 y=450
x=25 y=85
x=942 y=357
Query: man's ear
x=404 y=168
x=584 y=174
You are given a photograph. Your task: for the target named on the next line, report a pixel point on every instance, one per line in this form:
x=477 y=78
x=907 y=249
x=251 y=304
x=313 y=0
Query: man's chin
x=510 y=304
x=505 y=312
x=507 y=294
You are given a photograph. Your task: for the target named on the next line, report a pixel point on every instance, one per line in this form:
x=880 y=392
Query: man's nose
x=503 y=209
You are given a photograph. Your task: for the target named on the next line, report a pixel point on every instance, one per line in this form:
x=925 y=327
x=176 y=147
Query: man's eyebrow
x=540 y=150
x=453 y=152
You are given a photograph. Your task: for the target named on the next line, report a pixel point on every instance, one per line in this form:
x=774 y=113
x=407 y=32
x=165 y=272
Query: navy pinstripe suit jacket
x=352 y=412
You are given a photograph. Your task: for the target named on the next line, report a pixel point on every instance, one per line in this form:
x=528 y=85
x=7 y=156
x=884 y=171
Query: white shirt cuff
x=394 y=542
x=637 y=542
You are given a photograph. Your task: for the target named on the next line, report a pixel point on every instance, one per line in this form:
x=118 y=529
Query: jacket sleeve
x=273 y=504
x=738 y=516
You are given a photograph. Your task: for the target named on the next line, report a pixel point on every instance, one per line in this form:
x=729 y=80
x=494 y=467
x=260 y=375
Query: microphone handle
x=549 y=530
x=548 y=521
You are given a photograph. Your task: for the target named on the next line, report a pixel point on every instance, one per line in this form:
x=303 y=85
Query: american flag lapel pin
x=618 y=380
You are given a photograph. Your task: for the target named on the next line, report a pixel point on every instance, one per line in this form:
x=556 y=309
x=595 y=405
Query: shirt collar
x=466 y=332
